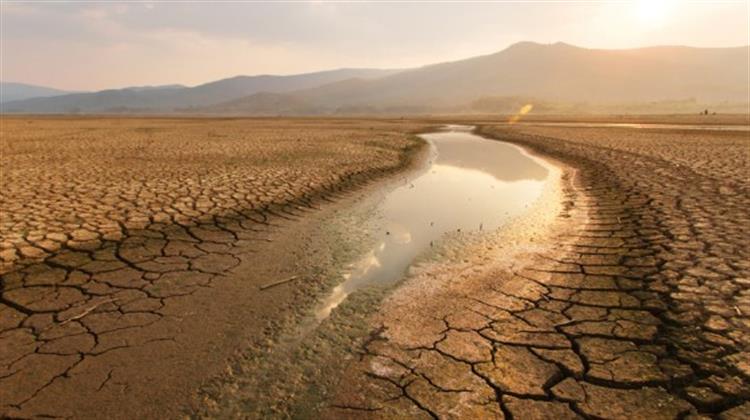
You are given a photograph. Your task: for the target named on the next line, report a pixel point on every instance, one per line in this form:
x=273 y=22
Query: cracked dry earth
x=637 y=307
x=122 y=243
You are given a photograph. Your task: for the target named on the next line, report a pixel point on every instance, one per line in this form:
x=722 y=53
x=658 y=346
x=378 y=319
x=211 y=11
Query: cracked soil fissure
x=127 y=320
x=633 y=303
x=295 y=376
x=623 y=294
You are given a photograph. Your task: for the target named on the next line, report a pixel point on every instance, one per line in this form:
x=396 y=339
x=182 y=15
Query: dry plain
x=132 y=248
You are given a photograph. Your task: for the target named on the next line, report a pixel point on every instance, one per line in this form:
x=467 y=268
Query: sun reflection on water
x=472 y=184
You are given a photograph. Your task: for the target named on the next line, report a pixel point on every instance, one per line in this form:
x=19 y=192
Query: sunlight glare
x=653 y=12
x=523 y=111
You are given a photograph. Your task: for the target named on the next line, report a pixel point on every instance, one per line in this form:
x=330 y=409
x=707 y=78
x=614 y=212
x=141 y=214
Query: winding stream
x=470 y=184
x=466 y=182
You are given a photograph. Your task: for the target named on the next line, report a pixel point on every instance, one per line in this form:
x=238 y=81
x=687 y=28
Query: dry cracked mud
x=636 y=305
x=127 y=246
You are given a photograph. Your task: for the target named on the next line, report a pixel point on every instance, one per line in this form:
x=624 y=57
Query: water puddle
x=471 y=184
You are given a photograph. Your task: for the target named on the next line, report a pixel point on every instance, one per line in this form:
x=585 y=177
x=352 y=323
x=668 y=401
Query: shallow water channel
x=470 y=183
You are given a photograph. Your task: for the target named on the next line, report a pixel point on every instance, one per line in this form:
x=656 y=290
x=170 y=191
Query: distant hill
x=168 y=98
x=150 y=88
x=10 y=91
x=557 y=73
x=263 y=103
x=560 y=77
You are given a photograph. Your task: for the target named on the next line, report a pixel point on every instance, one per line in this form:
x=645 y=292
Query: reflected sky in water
x=472 y=184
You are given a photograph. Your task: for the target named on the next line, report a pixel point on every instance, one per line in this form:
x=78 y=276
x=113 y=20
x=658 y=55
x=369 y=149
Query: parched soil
x=132 y=252
x=131 y=249
x=636 y=304
x=77 y=183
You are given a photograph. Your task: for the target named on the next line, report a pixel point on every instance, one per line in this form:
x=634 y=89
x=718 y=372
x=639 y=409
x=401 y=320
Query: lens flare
x=521 y=112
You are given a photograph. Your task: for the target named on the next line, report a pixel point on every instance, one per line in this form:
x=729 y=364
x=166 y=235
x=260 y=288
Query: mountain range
x=547 y=74
x=10 y=91
x=170 y=97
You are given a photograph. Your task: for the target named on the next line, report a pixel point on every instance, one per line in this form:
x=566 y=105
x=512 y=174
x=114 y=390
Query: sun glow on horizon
x=653 y=13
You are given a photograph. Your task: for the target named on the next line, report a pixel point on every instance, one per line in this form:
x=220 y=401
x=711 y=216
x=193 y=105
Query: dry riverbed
x=632 y=301
x=135 y=251
x=466 y=187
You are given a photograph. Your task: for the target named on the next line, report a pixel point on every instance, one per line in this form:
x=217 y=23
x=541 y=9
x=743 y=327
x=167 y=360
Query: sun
x=653 y=12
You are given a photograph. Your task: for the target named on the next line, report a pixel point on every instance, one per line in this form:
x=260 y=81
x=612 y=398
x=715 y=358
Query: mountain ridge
x=167 y=98
x=15 y=91
x=553 y=73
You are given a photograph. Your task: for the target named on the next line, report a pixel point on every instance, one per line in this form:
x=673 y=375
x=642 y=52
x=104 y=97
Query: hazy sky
x=96 y=45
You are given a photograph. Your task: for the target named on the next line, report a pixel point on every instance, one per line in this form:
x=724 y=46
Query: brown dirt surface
x=687 y=119
x=131 y=249
x=601 y=119
x=635 y=303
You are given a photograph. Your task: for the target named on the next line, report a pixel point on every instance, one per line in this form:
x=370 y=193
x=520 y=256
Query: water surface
x=470 y=184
